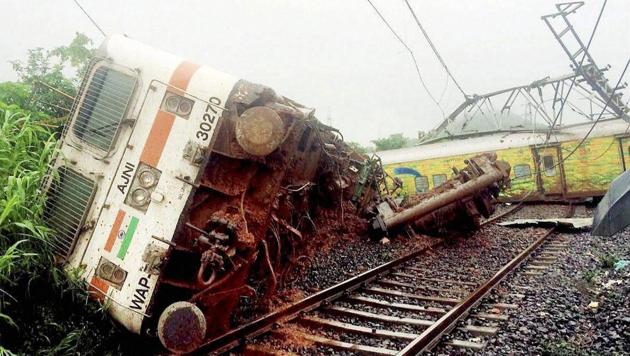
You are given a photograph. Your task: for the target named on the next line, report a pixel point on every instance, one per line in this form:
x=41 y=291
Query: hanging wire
x=413 y=57
x=446 y=80
x=437 y=54
x=90 y=18
x=588 y=45
x=601 y=114
x=599 y=117
x=564 y=100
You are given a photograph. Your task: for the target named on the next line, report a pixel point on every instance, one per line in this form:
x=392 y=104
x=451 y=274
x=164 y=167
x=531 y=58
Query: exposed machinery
x=179 y=189
x=470 y=194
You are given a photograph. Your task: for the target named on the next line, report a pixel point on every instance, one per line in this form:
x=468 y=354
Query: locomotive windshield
x=103 y=107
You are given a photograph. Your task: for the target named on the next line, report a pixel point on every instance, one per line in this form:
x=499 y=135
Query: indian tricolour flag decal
x=121 y=234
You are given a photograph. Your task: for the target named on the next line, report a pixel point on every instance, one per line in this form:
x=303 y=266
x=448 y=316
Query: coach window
x=522 y=171
x=103 y=106
x=438 y=180
x=422 y=184
x=550 y=167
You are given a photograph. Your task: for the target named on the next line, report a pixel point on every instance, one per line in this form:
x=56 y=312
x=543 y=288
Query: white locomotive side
x=135 y=182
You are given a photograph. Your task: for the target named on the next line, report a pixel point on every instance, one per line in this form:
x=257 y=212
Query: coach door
x=624 y=146
x=549 y=170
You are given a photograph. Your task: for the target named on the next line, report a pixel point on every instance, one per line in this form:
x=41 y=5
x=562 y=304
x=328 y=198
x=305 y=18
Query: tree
x=52 y=76
x=391 y=142
x=359 y=148
x=17 y=94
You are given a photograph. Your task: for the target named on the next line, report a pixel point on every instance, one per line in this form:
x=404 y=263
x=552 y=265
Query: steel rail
x=509 y=211
x=241 y=334
x=432 y=334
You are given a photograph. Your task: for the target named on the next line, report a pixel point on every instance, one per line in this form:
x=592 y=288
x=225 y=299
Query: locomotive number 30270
x=209 y=119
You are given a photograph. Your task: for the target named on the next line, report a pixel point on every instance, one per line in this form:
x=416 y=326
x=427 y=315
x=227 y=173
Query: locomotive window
x=438 y=180
x=522 y=171
x=422 y=184
x=103 y=107
x=550 y=168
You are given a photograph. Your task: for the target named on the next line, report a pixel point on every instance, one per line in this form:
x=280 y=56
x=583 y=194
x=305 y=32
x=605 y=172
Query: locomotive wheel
x=182 y=327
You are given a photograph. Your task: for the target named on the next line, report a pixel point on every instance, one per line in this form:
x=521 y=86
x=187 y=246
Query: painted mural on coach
x=542 y=169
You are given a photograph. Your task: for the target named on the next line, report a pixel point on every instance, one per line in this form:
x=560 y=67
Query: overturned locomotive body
x=178 y=189
x=175 y=183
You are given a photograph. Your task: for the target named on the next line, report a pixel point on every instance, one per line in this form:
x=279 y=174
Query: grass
x=43 y=310
x=30 y=287
x=589 y=275
x=562 y=349
x=25 y=148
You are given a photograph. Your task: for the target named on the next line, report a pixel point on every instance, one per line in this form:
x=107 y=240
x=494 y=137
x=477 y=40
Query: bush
x=608 y=261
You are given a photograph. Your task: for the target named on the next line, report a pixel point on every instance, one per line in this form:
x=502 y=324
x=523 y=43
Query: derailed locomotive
x=176 y=186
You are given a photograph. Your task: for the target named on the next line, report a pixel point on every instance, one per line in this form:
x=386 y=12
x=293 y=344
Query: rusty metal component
x=276 y=180
x=182 y=327
x=259 y=130
x=471 y=193
x=273 y=179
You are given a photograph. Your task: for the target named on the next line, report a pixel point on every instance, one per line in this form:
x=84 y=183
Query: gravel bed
x=389 y=312
x=349 y=258
x=538 y=211
x=340 y=261
x=471 y=258
x=555 y=316
x=558 y=314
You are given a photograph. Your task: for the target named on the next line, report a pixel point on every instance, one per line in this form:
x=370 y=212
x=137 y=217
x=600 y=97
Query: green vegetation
x=42 y=309
x=562 y=349
x=608 y=260
x=42 y=76
x=25 y=148
x=391 y=142
x=589 y=275
x=360 y=148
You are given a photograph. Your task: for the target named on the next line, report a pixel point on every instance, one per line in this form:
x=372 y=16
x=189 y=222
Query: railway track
x=402 y=304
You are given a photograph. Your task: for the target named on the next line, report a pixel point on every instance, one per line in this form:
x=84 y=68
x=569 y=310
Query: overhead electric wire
x=588 y=45
x=564 y=158
x=437 y=54
x=588 y=133
x=564 y=100
x=612 y=142
x=90 y=18
x=413 y=57
x=444 y=89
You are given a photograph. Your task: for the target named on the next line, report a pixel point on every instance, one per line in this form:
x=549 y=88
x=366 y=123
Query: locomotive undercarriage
x=251 y=215
x=276 y=183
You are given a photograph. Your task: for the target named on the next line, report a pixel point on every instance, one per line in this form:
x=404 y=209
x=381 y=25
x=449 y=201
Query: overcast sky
x=338 y=56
